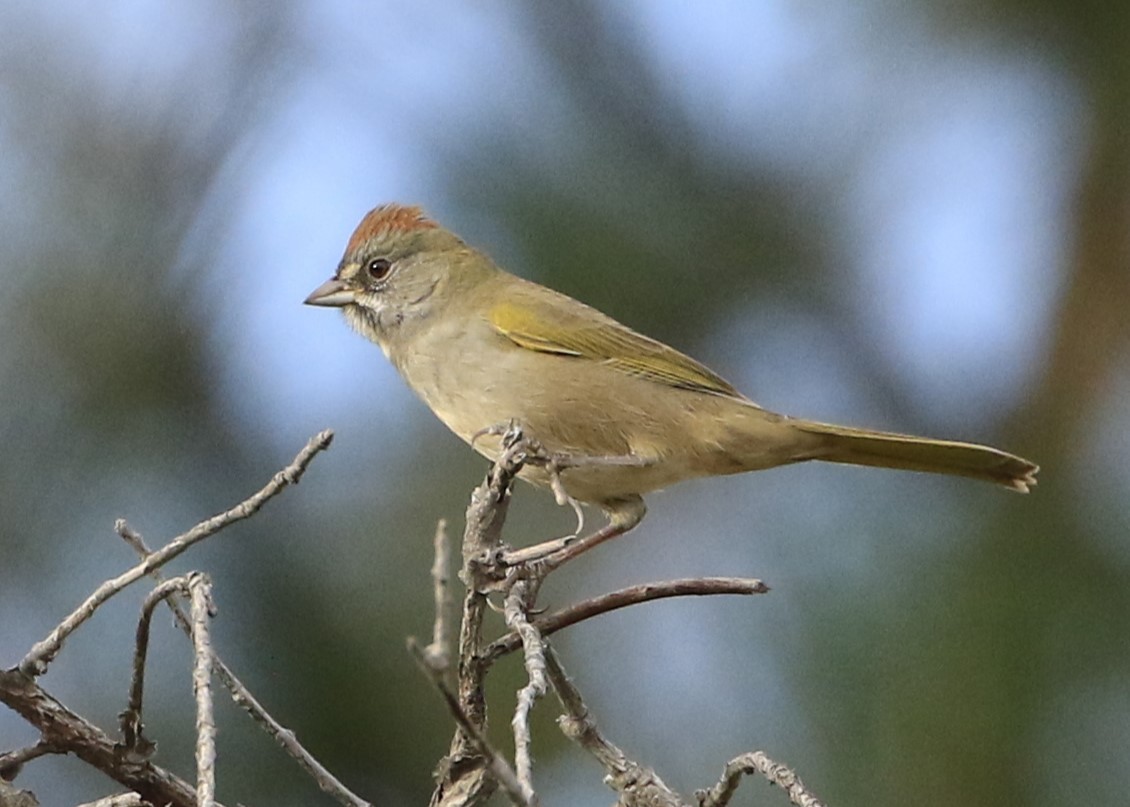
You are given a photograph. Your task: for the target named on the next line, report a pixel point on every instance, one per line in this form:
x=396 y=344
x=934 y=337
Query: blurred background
x=913 y=216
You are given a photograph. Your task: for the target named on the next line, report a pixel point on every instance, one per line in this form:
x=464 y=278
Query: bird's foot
x=531 y=451
x=623 y=514
x=543 y=558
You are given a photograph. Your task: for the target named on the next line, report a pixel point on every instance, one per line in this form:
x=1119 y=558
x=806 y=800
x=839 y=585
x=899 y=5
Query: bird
x=619 y=413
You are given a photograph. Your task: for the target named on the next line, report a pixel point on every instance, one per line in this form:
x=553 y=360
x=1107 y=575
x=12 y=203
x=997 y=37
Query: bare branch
x=636 y=783
x=518 y=600
x=203 y=609
x=64 y=729
x=133 y=741
x=11 y=762
x=488 y=566
x=44 y=651
x=632 y=595
x=246 y=701
x=439 y=651
x=751 y=763
x=497 y=764
x=462 y=775
x=198 y=587
x=553 y=554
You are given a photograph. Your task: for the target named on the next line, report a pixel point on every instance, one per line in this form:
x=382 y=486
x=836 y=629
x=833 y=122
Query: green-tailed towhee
x=483 y=347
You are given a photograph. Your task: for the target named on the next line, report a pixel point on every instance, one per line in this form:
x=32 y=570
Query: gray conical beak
x=333 y=292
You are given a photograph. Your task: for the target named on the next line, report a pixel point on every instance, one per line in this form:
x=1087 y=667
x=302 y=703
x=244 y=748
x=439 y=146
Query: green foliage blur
x=927 y=641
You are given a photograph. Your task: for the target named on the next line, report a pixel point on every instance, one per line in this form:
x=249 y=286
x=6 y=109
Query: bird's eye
x=378 y=268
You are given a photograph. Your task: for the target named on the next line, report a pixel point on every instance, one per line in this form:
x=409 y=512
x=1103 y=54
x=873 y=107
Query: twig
x=636 y=784
x=552 y=554
x=461 y=776
x=497 y=764
x=439 y=651
x=698 y=586
x=200 y=588
x=751 y=763
x=67 y=731
x=518 y=600
x=118 y=800
x=44 y=651
x=133 y=740
x=245 y=700
x=11 y=762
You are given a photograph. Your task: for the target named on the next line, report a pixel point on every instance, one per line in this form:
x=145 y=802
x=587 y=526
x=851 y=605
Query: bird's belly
x=625 y=435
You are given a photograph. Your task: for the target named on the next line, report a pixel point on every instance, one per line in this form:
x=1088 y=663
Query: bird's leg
x=623 y=515
x=555 y=463
x=553 y=469
x=534 y=453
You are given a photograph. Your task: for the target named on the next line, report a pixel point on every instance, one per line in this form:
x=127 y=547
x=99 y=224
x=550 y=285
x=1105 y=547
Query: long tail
x=889 y=450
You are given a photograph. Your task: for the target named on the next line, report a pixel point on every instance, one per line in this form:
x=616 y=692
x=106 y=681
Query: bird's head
x=398 y=266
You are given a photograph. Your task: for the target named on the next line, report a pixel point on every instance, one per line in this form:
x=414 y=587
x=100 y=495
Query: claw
x=562 y=497
x=497 y=430
x=580 y=517
x=512 y=434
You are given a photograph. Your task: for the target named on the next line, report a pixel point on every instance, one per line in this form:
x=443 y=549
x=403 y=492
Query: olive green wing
x=565 y=327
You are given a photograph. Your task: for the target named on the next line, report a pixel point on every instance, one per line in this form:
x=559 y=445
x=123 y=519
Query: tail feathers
x=888 y=450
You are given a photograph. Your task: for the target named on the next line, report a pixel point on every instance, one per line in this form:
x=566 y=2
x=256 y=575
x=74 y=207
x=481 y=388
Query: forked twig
x=199 y=589
x=463 y=775
x=242 y=696
x=12 y=761
x=497 y=764
x=518 y=574
x=133 y=739
x=63 y=731
x=70 y=733
x=44 y=651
